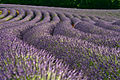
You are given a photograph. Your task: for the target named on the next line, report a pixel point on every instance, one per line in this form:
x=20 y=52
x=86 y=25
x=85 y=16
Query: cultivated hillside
x=48 y=43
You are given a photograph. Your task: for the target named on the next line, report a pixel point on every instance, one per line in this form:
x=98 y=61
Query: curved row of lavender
x=59 y=44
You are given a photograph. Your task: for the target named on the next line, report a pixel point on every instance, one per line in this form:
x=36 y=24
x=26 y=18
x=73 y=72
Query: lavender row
x=79 y=54
x=17 y=28
x=87 y=19
x=68 y=15
x=4 y=13
x=93 y=29
x=74 y=20
x=87 y=27
x=117 y=22
x=27 y=16
x=66 y=29
x=63 y=17
x=11 y=14
x=20 y=15
x=106 y=25
x=38 y=40
x=9 y=24
x=29 y=25
x=42 y=29
x=21 y=61
x=55 y=19
x=45 y=18
x=108 y=13
x=37 y=16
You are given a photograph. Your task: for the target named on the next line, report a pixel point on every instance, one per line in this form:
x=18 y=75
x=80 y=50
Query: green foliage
x=0 y=12
x=96 y=4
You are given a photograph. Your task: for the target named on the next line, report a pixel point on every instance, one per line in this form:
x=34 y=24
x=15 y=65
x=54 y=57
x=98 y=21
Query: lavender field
x=48 y=43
